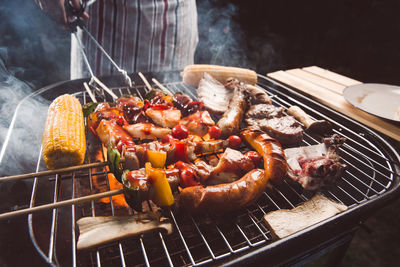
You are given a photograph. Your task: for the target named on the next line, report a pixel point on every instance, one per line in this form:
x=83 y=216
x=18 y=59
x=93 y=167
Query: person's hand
x=56 y=10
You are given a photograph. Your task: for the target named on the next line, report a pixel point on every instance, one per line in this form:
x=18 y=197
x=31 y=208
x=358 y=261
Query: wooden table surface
x=326 y=87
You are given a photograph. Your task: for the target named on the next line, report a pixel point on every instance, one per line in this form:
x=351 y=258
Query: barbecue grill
x=370 y=182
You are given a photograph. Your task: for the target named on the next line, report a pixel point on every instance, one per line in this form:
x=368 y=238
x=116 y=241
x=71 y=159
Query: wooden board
x=326 y=87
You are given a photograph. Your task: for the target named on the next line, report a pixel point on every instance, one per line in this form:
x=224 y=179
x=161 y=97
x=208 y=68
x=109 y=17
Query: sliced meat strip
x=146 y=131
x=285 y=129
x=264 y=111
x=214 y=95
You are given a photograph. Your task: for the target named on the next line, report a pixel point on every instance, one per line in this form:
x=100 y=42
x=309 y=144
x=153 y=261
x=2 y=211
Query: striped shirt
x=139 y=35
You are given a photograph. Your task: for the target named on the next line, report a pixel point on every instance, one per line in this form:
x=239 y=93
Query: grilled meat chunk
x=271 y=120
x=264 y=111
x=131 y=107
x=285 y=129
x=110 y=133
x=198 y=123
x=165 y=118
x=146 y=131
x=232 y=165
x=214 y=95
x=316 y=166
x=186 y=105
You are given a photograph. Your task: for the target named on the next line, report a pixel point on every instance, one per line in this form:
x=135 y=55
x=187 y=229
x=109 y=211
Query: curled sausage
x=270 y=149
x=222 y=198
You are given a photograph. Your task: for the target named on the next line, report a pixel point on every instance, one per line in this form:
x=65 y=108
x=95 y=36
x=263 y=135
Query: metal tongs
x=76 y=22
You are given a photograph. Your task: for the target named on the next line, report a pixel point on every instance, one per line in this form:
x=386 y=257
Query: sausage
x=231 y=119
x=270 y=149
x=257 y=95
x=222 y=198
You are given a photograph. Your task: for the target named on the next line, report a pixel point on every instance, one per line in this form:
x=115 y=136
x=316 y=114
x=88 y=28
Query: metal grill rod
x=366 y=175
x=340 y=133
x=160 y=234
x=363 y=163
x=298 y=102
x=280 y=192
x=241 y=245
x=30 y=217
x=187 y=91
x=73 y=223
x=54 y=218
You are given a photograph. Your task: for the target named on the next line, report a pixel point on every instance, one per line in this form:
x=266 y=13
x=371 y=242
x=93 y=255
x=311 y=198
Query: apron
x=139 y=35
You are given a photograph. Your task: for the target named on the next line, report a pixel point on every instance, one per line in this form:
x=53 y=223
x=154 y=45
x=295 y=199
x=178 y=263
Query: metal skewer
x=91 y=95
x=162 y=87
x=56 y=171
x=94 y=80
x=61 y=204
x=146 y=82
x=128 y=80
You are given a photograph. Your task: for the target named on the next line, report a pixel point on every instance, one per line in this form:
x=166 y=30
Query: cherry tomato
x=160 y=106
x=121 y=121
x=254 y=156
x=124 y=142
x=234 y=141
x=167 y=139
x=180 y=131
x=186 y=174
x=214 y=132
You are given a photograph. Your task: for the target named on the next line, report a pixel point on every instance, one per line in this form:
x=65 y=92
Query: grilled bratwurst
x=223 y=198
x=230 y=121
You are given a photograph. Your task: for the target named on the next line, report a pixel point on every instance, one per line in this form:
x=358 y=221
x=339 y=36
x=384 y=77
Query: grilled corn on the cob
x=192 y=74
x=63 y=141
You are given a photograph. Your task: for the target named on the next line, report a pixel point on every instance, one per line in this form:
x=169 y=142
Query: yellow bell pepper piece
x=167 y=98
x=157 y=158
x=162 y=191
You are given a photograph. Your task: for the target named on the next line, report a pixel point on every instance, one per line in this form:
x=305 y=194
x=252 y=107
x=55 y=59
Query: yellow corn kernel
x=63 y=141
x=192 y=74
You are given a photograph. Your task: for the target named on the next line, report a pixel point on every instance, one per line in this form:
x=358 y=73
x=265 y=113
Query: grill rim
x=357 y=212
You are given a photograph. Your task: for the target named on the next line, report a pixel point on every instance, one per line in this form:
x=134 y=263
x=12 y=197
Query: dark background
x=358 y=38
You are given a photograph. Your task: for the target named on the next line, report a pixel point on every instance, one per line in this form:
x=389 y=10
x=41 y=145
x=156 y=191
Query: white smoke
x=22 y=117
x=221 y=39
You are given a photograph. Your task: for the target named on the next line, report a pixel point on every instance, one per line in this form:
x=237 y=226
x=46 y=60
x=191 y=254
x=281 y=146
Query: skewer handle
x=94 y=100
x=105 y=87
x=162 y=87
x=68 y=202
x=51 y=172
x=146 y=82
